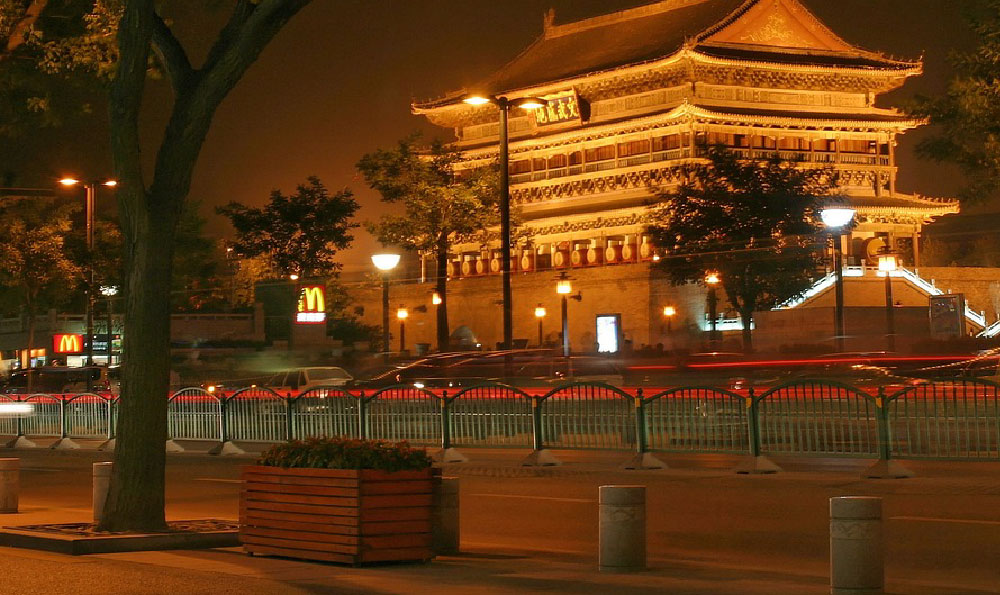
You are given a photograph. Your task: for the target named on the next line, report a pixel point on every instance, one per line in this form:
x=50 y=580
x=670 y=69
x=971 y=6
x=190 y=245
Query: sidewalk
x=534 y=530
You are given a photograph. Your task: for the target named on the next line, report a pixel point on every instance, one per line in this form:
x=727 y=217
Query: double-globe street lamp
x=109 y=291
x=91 y=197
x=385 y=262
x=836 y=219
x=504 y=104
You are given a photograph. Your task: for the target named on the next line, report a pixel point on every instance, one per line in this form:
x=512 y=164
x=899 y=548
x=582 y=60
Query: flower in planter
x=346 y=453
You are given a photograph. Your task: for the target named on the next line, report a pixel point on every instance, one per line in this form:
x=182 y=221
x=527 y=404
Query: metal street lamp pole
x=838 y=314
x=91 y=191
x=508 y=317
x=713 y=301
x=890 y=318
x=385 y=262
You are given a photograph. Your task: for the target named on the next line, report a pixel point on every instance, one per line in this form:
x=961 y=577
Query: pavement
x=527 y=530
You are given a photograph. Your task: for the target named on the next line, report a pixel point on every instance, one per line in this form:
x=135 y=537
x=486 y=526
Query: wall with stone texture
x=631 y=290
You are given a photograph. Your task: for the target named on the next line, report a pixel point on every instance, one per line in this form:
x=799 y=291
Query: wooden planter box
x=337 y=515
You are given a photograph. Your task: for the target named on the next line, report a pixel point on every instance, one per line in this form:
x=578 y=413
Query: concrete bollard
x=856 y=553
x=622 y=528
x=102 y=481
x=10 y=484
x=445 y=524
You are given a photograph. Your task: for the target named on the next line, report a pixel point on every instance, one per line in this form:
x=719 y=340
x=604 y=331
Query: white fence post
x=622 y=528
x=10 y=484
x=856 y=552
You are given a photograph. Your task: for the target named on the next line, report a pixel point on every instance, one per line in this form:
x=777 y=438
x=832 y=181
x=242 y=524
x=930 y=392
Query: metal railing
x=944 y=419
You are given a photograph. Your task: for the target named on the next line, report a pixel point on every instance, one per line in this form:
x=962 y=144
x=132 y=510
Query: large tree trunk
x=149 y=218
x=441 y=285
x=746 y=316
x=136 y=496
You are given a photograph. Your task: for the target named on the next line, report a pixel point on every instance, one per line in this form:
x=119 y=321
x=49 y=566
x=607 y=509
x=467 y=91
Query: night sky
x=338 y=82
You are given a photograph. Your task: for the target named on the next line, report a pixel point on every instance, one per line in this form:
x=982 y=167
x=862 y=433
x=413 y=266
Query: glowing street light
x=504 y=104
x=711 y=280
x=540 y=314
x=669 y=312
x=402 y=314
x=385 y=262
x=835 y=219
x=91 y=196
x=436 y=298
x=563 y=289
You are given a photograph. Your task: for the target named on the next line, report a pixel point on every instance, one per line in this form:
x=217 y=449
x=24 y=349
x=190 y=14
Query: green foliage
x=346 y=453
x=300 y=233
x=197 y=284
x=968 y=114
x=755 y=222
x=436 y=202
x=33 y=259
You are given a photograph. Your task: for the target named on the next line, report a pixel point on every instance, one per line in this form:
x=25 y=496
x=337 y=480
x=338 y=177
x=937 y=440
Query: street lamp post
x=669 y=312
x=835 y=219
x=385 y=263
x=888 y=263
x=711 y=280
x=504 y=104
x=109 y=291
x=402 y=314
x=91 y=196
x=540 y=314
x=564 y=288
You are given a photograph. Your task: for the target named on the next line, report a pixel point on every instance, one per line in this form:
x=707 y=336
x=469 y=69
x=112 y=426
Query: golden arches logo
x=312 y=299
x=67 y=343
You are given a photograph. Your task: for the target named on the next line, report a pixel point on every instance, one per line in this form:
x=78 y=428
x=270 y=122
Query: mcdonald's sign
x=312 y=305
x=67 y=343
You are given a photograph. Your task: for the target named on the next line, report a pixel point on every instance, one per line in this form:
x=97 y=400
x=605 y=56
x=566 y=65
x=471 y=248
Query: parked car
x=65 y=380
x=302 y=379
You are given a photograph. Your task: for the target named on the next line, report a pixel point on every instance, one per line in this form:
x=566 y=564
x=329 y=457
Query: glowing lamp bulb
x=436 y=299
x=712 y=278
x=540 y=311
x=385 y=262
x=402 y=313
x=476 y=100
x=835 y=217
x=69 y=181
x=669 y=311
x=887 y=263
x=110 y=183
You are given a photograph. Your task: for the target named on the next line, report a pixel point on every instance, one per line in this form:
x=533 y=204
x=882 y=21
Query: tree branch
x=171 y=54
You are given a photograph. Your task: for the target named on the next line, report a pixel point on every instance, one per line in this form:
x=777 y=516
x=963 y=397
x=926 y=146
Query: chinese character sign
x=560 y=108
x=312 y=305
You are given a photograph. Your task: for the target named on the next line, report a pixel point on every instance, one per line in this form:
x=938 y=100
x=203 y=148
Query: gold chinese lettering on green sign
x=558 y=109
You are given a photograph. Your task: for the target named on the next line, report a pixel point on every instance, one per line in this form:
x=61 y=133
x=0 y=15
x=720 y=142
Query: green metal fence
x=325 y=412
x=958 y=419
x=194 y=414
x=697 y=419
x=492 y=415
x=817 y=417
x=588 y=415
x=946 y=419
x=403 y=413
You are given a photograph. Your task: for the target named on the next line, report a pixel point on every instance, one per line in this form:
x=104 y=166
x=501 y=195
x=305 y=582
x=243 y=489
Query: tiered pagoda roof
x=734 y=32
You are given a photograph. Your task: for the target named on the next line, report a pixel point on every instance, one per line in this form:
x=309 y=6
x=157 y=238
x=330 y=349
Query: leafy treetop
x=299 y=233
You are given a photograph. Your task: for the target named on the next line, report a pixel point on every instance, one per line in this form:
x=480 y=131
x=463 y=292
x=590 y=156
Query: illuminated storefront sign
x=312 y=305
x=564 y=107
x=67 y=343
